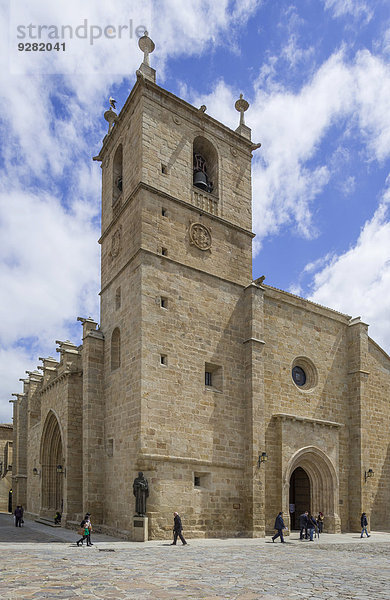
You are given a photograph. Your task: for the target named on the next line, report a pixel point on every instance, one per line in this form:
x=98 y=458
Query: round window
x=299 y=376
x=304 y=373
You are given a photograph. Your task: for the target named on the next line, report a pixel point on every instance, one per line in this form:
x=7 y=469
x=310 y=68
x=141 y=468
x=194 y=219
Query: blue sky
x=317 y=76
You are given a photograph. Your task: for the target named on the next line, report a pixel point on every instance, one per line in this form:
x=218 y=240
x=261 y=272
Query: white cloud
x=358 y=281
x=48 y=258
x=372 y=80
x=358 y=9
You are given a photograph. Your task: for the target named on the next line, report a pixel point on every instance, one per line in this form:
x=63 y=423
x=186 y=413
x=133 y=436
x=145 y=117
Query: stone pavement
x=40 y=562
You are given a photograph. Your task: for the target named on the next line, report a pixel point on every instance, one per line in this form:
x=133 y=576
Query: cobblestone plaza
x=40 y=562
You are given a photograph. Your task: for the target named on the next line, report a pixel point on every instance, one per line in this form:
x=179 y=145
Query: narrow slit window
x=118 y=298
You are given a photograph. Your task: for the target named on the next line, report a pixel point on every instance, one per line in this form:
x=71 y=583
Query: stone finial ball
x=241 y=105
x=145 y=43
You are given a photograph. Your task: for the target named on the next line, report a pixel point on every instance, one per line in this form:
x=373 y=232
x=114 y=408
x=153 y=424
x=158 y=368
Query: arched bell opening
x=205 y=165
x=322 y=491
x=53 y=468
x=300 y=498
x=117 y=174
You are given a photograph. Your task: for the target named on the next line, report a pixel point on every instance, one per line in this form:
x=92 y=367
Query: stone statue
x=141 y=492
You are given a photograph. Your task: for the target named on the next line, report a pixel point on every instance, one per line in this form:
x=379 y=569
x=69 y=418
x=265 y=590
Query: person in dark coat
x=177 y=530
x=279 y=525
x=303 y=524
x=320 y=522
x=18 y=516
x=364 y=523
x=311 y=525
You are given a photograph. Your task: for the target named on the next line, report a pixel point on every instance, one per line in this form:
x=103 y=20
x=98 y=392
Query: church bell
x=200 y=180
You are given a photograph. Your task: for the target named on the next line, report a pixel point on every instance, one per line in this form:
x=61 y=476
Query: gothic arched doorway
x=299 y=495
x=52 y=461
x=323 y=489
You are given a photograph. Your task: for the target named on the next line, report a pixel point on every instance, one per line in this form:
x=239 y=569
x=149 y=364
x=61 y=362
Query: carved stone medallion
x=116 y=243
x=200 y=236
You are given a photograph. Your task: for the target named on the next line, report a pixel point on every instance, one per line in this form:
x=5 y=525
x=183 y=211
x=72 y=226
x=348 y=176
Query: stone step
x=48 y=522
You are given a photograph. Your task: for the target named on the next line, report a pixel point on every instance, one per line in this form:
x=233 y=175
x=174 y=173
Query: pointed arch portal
x=311 y=483
x=52 y=456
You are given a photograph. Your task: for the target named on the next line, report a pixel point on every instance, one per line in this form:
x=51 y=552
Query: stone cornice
x=320 y=422
x=161 y=194
x=303 y=303
x=168 y=258
x=143 y=87
x=58 y=379
x=188 y=460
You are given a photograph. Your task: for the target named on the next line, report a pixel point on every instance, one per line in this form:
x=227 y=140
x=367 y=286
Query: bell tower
x=175 y=260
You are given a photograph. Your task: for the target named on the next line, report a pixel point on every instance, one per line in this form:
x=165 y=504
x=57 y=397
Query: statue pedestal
x=140 y=529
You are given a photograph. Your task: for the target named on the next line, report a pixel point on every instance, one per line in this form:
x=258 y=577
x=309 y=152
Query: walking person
x=279 y=526
x=320 y=522
x=88 y=526
x=177 y=530
x=311 y=525
x=364 y=523
x=303 y=524
x=18 y=516
x=84 y=532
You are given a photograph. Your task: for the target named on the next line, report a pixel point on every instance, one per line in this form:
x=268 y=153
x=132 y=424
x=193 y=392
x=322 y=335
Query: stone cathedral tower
x=235 y=399
x=176 y=259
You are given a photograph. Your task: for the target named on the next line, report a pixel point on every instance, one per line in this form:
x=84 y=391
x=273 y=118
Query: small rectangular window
x=164 y=252
x=163 y=302
x=164 y=212
x=213 y=377
x=164 y=169
x=202 y=480
x=163 y=359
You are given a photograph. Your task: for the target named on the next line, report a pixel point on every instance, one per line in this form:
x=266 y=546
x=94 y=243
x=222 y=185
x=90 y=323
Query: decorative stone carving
x=116 y=242
x=200 y=236
x=176 y=120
